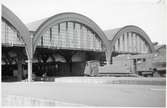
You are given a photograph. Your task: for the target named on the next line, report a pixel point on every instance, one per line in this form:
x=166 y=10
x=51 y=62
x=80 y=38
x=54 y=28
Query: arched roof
x=115 y=34
x=40 y=27
x=19 y=26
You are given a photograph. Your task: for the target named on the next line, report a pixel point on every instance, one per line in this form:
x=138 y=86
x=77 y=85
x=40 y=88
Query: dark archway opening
x=14 y=66
x=62 y=62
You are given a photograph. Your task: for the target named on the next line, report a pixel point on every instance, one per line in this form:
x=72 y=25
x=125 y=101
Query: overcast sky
x=108 y=14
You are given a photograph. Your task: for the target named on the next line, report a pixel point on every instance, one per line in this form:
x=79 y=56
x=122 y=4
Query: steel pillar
x=29 y=61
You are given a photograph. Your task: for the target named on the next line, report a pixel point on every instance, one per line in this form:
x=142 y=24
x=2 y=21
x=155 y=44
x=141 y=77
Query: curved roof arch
x=115 y=34
x=19 y=26
x=41 y=26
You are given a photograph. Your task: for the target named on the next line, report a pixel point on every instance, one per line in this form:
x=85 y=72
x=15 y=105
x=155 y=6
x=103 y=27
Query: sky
x=150 y=15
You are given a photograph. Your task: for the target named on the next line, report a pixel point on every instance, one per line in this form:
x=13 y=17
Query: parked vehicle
x=149 y=65
x=91 y=68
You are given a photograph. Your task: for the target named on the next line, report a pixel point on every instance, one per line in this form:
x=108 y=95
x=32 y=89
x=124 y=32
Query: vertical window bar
x=50 y=34
x=119 y=45
x=66 y=25
x=81 y=35
x=59 y=42
x=67 y=38
x=5 y=31
x=81 y=26
x=127 y=42
x=58 y=28
x=123 y=43
x=74 y=35
x=73 y=25
x=42 y=41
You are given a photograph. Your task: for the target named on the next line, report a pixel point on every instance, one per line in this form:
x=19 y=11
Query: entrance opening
x=61 y=62
x=14 y=67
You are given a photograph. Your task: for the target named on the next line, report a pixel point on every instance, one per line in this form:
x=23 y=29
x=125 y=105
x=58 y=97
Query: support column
x=69 y=61
x=29 y=62
x=68 y=56
x=19 y=65
x=20 y=69
x=108 y=57
x=30 y=49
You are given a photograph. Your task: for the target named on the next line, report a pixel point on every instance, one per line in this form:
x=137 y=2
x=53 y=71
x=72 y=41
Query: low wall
x=113 y=80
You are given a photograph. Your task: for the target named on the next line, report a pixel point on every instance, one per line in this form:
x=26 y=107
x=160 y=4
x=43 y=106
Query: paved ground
x=91 y=94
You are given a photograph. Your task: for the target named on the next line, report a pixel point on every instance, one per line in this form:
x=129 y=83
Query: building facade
x=61 y=45
x=64 y=42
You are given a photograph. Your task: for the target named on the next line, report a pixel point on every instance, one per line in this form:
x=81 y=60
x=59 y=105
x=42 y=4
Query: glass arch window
x=71 y=35
x=9 y=34
x=131 y=42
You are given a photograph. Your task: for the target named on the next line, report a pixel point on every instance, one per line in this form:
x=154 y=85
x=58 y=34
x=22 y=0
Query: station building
x=61 y=45
x=58 y=46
